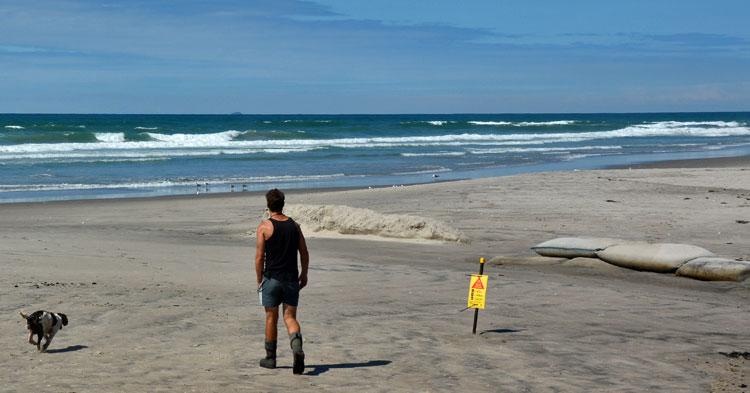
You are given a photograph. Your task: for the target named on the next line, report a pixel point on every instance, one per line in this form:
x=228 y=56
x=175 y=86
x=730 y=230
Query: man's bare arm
x=304 y=256
x=260 y=249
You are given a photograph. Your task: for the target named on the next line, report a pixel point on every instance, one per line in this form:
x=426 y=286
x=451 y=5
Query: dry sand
x=161 y=297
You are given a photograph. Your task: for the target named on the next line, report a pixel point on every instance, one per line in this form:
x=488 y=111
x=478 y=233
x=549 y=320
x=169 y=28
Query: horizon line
x=367 y=114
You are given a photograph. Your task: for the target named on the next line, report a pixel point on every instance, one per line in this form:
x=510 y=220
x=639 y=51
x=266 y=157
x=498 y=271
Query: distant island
x=236 y=113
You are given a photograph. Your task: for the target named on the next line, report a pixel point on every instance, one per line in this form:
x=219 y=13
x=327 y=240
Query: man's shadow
x=71 y=348
x=321 y=368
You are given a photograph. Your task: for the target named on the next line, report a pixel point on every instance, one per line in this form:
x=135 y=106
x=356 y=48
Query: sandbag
x=659 y=257
x=573 y=247
x=715 y=269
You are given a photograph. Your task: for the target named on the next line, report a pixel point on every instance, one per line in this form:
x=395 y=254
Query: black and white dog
x=44 y=324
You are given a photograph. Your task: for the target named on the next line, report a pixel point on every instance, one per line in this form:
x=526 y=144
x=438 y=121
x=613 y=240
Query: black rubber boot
x=270 y=360
x=295 y=340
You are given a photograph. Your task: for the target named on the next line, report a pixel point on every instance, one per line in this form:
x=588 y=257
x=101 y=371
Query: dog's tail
x=64 y=319
x=24 y=316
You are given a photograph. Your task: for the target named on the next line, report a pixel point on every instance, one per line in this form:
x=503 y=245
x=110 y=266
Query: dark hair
x=275 y=200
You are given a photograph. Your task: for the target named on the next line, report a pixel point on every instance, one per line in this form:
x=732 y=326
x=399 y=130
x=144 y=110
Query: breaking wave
x=227 y=142
x=524 y=123
x=110 y=137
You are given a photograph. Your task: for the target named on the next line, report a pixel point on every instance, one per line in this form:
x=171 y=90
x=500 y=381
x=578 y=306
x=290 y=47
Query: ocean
x=47 y=157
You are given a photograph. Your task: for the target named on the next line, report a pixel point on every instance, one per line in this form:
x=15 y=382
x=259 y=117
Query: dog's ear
x=64 y=319
x=24 y=316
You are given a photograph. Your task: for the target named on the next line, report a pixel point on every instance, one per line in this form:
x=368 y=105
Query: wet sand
x=161 y=296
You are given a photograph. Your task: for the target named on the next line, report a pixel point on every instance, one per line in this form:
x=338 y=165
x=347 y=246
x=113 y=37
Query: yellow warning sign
x=477 y=291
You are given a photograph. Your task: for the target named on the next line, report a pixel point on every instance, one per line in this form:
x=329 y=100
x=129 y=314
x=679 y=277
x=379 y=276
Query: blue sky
x=373 y=56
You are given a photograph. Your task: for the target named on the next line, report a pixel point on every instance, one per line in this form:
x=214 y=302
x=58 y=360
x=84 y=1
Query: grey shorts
x=274 y=292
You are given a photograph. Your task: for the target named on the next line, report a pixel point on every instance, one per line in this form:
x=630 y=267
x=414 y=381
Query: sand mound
x=355 y=221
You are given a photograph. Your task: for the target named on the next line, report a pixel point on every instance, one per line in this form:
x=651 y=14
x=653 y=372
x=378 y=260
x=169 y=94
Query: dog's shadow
x=321 y=368
x=71 y=348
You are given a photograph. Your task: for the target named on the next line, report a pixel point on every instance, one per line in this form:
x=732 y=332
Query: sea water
x=65 y=156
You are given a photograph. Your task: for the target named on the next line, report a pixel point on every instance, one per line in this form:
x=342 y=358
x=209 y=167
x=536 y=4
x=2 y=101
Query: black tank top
x=281 y=251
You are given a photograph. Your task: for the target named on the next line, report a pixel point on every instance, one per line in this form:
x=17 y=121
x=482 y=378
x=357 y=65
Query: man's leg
x=272 y=319
x=290 y=319
x=295 y=338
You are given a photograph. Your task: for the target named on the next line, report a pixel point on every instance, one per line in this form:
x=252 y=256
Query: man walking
x=279 y=239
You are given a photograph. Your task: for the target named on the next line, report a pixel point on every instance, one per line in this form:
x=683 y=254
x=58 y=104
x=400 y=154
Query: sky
x=373 y=56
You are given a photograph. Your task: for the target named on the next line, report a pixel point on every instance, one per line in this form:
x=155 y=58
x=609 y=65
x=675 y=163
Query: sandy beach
x=161 y=295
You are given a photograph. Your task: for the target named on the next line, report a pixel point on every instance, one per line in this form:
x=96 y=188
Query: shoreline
x=715 y=162
x=711 y=162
